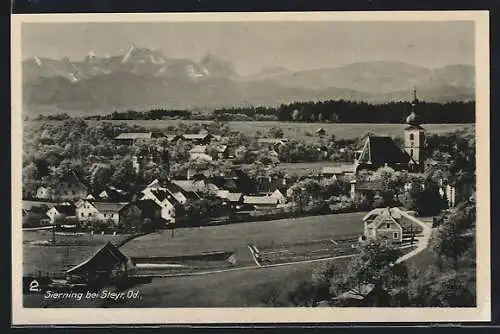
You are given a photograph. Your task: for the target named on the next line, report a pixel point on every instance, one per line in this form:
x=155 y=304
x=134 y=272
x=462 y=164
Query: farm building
x=131 y=137
x=261 y=202
x=68 y=187
x=198 y=138
x=383 y=225
x=88 y=211
x=61 y=212
x=171 y=209
x=139 y=211
x=107 y=264
x=201 y=152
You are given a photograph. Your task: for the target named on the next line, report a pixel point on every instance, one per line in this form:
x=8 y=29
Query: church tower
x=414 y=137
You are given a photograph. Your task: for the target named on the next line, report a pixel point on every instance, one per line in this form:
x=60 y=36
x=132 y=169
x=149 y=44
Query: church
x=381 y=151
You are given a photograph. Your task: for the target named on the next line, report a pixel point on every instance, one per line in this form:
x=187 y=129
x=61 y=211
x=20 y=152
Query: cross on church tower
x=414 y=136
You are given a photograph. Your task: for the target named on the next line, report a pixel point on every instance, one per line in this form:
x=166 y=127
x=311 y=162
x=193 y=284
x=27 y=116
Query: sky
x=252 y=46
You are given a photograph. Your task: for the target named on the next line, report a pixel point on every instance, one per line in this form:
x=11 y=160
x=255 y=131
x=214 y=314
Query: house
x=68 y=187
x=131 y=137
x=104 y=266
x=272 y=143
x=320 y=132
x=201 y=152
x=337 y=172
x=140 y=211
x=261 y=202
x=112 y=194
x=61 y=212
x=278 y=195
x=196 y=186
x=109 y=212
x=92 y=211
x=171 y=209
x=234 y=199
x=383 y=226
x=199 y=138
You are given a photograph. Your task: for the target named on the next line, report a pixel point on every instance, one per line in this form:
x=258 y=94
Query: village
x=380 y=172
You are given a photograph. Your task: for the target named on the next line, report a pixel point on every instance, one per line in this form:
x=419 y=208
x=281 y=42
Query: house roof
x=195 y=135
x=379 y=150
x=108 y=207
x=194 y=186
x=107 y=248
x=270 y=140
x=68 y=210
x=198 y=149
x=384 y=217
x=232 y=197
x=377 y=211
x=259 y=200
x=134 y=135
x=146 y=205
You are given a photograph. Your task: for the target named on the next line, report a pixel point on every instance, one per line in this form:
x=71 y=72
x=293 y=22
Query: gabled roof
x=379 y=150
x=198 y=149
x=384 y=217
x=107 y=248
x=414 y=127
x=108 y=207
x=196 y=135
x=68 y=210
x=134 y=135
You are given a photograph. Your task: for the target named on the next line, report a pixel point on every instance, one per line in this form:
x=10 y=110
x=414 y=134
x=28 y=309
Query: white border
x=25 y=316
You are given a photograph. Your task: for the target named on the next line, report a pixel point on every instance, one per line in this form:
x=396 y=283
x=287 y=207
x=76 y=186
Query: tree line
x=331 y=111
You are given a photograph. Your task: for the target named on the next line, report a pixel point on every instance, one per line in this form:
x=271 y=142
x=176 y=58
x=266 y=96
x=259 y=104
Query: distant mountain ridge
x=142 y=78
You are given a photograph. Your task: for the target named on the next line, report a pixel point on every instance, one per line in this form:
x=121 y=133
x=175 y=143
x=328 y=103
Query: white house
x=60 y=211
x=98 y=211
x=383 y=225
x=278 y=196
x=164 y=199
x=67 y=188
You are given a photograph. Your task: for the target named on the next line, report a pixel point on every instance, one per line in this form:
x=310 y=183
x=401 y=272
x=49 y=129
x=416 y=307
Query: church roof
x=380 y=150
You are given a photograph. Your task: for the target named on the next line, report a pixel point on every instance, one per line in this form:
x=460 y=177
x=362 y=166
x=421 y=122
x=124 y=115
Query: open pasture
x=234 y=237
x=300 y=131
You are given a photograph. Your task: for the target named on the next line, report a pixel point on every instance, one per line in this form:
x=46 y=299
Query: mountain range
x=144 y=79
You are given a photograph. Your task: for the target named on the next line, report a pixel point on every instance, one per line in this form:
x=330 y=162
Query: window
x=81 y=214
x=388 y=225
x=412 y=136
x=411 y=153
x=395 y=235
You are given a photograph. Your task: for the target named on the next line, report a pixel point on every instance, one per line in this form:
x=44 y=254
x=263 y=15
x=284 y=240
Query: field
x=69 y=251
x=234 y=237
x=303 y=131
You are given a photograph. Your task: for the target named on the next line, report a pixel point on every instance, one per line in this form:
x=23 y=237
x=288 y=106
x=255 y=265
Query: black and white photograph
x=253 y=165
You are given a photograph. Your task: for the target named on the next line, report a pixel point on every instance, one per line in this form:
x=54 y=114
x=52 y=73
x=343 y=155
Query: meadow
x=69 y=250
x=196 y=240
x=302 y=131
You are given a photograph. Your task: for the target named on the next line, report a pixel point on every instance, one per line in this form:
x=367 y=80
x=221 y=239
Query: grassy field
x=69 y=250
x=237 y=236
x=303 y=131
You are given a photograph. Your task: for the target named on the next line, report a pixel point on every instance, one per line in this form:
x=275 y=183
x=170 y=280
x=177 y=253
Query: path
x=423 y=240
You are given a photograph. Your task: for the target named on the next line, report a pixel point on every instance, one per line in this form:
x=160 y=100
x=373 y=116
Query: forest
x=332 y=111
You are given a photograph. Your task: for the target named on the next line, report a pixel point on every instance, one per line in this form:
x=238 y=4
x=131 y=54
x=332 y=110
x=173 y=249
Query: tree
x=376 y=264
x=453 y=236
x=275 y=132
x=100 y=175
x=304 y=192
x=30 y=179
x=390 y=184
x=124 y=176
